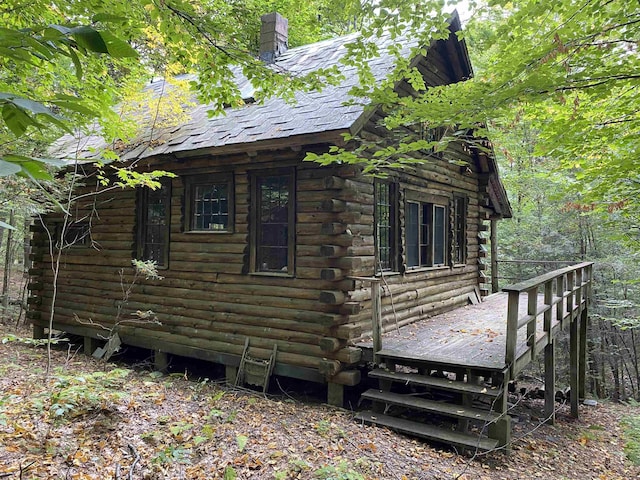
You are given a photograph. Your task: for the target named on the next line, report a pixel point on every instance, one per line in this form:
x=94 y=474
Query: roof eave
x=295 y=142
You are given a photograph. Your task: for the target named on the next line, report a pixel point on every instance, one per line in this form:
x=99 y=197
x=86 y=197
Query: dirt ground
x=88 y=420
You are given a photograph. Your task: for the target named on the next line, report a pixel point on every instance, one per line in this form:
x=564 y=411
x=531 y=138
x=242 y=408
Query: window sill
x=272 y=274
x=427 y=269
x=387 y=274
x=207 y=232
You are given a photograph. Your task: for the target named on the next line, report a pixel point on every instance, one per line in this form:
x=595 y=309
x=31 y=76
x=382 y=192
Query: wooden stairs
x=445 y=404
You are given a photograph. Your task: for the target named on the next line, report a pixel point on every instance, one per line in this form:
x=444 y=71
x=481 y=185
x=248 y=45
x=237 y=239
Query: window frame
x=256 y=225
x=84 y=239
x=142 y=224
x=393 y=226
x=191 y=182
x=459 y=213
x=430 y=134
x=426 y=248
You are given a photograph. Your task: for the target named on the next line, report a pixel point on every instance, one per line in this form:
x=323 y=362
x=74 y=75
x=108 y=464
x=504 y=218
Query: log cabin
x=269 y=258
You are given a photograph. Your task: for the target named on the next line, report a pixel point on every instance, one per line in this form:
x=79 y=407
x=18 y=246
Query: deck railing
x=565 y=295
x=513 y=271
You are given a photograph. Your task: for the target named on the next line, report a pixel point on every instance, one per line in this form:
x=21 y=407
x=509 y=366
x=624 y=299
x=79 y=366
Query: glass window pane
x=412 y=232
x=459 y=230
x=154 y=233
x=439 y=234
x=210 y=207
x=272 y=253
x=384 y=228
x=425 y=234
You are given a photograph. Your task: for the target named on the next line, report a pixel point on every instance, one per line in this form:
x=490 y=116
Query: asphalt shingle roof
x=313 y=112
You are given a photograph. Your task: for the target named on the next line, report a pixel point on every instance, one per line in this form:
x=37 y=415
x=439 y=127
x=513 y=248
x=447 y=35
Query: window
x=209 y=203
x=432 y=135
x=385 y=218
x=459 y=233
x=426 y=234
x=77 y=234
x=273 y=219
x=154 y=208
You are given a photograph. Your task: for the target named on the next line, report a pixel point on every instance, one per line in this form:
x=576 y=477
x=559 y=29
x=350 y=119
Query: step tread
x=434 y=382
x=403 y=357
x=417 y=403
x=427 y=431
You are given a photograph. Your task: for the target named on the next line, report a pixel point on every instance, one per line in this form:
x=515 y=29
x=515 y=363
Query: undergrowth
x=631 y=426
x=75 y=395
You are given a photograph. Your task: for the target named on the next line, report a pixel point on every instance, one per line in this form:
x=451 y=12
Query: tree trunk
x=7 y=265
x=636 y=366
x=26 y=243
x=3 y=218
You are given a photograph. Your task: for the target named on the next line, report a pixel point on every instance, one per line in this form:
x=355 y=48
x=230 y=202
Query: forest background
x=555 y=88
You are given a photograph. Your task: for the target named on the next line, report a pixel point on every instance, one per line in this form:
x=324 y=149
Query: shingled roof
x=329 y=112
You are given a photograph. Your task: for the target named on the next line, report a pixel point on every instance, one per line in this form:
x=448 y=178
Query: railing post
x=560 y=305
x=579 y=280
x=376 y=318
x=532 y=309
x=574 y=360
x=512 y=330
x=549 y=357
x=569 y=290
x=493 y=239
x=548 y=314
x=570 y=283
x=584 y=326
x=550 y=382
x=376 y=313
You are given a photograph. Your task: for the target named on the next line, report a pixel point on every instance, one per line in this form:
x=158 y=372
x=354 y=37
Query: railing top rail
x=539 y=262
x=527 y=285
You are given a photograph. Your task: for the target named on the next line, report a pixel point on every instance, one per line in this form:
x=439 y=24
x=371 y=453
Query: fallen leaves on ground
x=91 y=421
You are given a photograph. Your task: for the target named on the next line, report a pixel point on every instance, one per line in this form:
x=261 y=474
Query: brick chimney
x=274 y=36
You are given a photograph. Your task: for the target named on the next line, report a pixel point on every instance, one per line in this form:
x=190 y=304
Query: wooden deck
x=481 y=347
x=473 y=336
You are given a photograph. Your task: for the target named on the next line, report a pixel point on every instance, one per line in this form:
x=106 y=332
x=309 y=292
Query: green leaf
x=89 y=39
x=55 y=32
x=8 y=168
x=31 y=105
x=35 y=170
x=198 y=439
x=116 y=47
x=18 y=55
x=230 y=473
x=39 y=49
x=32 y=167
x=76 y=63
x=6 y=225
x=75 y=106
x=16 y=120
x=241 y=440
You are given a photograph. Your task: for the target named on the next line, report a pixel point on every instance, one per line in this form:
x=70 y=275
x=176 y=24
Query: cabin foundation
x=161 y=361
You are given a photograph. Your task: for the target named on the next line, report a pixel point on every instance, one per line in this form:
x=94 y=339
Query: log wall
x=410 y=294
x=209 y=302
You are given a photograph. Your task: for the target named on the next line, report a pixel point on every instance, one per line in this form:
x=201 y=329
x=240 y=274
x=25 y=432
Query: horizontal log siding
x=419 y=293
x=206 y=299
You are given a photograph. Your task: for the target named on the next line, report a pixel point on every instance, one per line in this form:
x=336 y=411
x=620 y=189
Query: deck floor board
x=471 y=336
